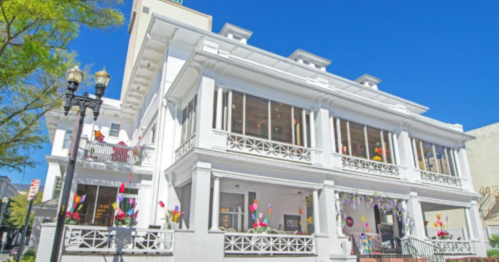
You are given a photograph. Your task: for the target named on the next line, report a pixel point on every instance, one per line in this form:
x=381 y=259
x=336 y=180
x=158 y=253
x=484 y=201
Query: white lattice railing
x=185 y=147
x=368 y=166
x=268 y=244
x=268 y=148
x=448 y=247
x=440 y=179
x=117 y=240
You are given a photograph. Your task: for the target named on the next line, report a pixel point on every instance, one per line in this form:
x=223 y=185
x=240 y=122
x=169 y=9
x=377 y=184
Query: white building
x=6 y=188
x=222 y=123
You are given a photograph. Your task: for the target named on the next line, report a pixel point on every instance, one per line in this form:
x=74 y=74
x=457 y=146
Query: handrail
x=101 y=151
x=441 y=179
x=425 y=250
x=370 y=166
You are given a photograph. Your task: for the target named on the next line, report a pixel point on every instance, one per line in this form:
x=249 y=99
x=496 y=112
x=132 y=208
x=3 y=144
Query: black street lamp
x=74 y=77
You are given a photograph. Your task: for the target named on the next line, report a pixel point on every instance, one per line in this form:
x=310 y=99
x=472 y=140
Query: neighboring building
x=6 y=188
x=209 y=123
x=23 y=188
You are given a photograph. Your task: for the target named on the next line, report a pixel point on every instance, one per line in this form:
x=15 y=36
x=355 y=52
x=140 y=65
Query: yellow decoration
x=363 y=218
x=114 y=206
x=310 y=220
x=435 y=224
x=377 y=158
x=270 y=210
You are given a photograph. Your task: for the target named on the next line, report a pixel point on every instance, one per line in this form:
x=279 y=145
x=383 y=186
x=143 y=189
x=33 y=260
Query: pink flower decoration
x=255 y=206
x=260 y=215
x=367 y=224
x=252 y=209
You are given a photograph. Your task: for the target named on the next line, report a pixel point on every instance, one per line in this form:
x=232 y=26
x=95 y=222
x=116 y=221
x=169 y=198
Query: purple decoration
x=268 y=208
x=176 y=208
x=83 y=198
x=120 y=198
x=131 y=201
x=253 y=216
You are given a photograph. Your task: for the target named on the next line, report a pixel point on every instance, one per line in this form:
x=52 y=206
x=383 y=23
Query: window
x=433 y=158
x=189 y=120
x=364 y=141
x=265 y=119
x=57 y=187
x=153 y=134
x=98 y=208
x=231 y=211
x=115 y=130
x=67 y=139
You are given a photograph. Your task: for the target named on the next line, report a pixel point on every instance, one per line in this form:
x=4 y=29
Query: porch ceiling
x=428 y=207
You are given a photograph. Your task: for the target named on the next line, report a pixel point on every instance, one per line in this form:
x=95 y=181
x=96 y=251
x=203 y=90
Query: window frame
x=451 y=161
x=57 y=187
x=68 y=140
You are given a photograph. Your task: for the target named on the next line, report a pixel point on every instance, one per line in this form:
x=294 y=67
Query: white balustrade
x=440 y=179
x=449 y=247
x=368 y=166
x=118 y=240
x=147 y=156
x=268 y=244
x=185 y=147
x=268 y=148
x=105 y=152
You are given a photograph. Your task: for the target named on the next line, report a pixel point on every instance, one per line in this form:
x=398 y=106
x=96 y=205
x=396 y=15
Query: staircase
x=486 y=203
x=398 y=250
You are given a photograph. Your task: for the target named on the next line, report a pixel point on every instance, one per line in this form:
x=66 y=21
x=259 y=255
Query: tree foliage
x=19 y=209
x=33 y=38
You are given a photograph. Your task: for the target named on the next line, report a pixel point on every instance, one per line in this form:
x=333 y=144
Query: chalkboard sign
x=292 y=222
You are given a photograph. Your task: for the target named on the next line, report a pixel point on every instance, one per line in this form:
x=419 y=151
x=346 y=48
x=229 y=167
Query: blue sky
x=441 y=54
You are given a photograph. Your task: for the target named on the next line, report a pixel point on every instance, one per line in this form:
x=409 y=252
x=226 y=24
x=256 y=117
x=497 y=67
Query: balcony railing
x=99 y=151
x=185 y=147
x=449 y=247
x=268 y=244
x=368 y=166
x=268 y=148
x=117 y=240
x=440 y=179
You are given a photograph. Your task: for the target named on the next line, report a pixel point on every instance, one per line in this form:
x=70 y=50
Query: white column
x=395 y=149
x=407 y=232
x=317 y=224
x=456 y=160
x=312 y=129
x=220 y=98
x=331 y=127
x=338 y=131
x=468 y=223
x=229 y=111
x=339 y=219
x=304 y=120
x=216 y=204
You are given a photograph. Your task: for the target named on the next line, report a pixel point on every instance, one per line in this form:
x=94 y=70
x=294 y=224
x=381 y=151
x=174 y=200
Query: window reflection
x=281 y=122
x=434 y=158
x=376 y=152
x=237 y=112
x=257 y=111
x=357 y=140
x=344 y=137
x=298 y=126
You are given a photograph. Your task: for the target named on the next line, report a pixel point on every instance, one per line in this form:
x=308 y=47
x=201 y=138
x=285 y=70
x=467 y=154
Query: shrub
x=493 y=253
x=494 y=240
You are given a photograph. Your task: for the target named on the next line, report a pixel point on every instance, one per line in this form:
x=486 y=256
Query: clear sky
x=441 y=54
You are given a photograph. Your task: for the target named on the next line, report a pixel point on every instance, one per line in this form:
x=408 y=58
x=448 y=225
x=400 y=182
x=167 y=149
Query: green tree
x=33 y=36
x=19 y=209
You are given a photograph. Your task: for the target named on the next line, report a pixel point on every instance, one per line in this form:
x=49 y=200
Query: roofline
x=333 y=92
x=216 y=36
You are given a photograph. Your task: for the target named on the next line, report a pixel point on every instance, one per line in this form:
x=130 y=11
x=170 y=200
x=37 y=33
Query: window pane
x=442 y=160
x=357 y=140
x=237 y=112
x=451 y=163
x=386 y=141
x=281 y=122
x=298 y=126
x=184 y=124
x=57 y=187
x=67 y=139
x=215 y=97
x=104 y=212
x=344 y=137
x=193 y=115
x=87 y=208
x=309 y=128
x=115 y=130
x=374 y=142
x=257 y=117
x=419 y=164
x=231 y=211
x=189 y=121
x=429 y=158
x=335 y=132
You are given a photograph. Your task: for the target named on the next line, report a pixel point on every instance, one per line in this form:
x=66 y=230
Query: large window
x=364 y=141
x=189 y=120
x=67 y=139
x=262 y=118
x=98 y=206
x=433 y=158
x=115 y=130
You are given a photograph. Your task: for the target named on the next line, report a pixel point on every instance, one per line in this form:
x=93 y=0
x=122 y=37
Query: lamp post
x=74 y=77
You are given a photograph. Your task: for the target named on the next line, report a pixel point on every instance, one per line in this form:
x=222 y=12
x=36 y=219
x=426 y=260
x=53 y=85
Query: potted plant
x=442 y=233
x=172 y=217
x=259 y=225
x=126 y=217
x=72 y=216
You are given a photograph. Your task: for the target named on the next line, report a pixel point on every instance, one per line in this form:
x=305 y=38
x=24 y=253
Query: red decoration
x=122 y=188
x=349 y=221
x=161 y=204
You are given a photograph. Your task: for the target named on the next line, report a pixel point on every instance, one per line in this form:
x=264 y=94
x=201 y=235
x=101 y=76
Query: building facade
x=6 y=188
x=219 y=128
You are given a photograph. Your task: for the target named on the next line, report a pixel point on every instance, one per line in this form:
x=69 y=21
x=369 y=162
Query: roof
x=49 y=204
